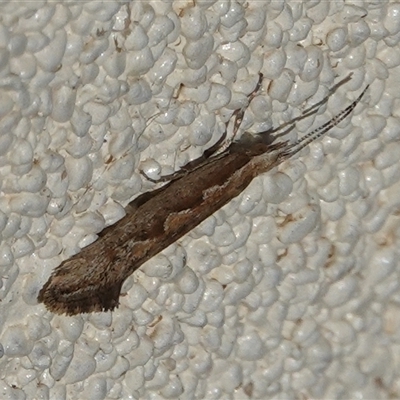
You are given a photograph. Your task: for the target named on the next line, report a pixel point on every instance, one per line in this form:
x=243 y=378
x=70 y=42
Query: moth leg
x=189 y=167
x=168 y=178
x=218 y=148
x=238 y=119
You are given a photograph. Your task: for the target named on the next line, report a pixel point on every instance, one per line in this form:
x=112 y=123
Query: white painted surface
x=290 y=290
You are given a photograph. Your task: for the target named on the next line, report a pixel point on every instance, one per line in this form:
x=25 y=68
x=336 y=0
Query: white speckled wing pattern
x=291 y=289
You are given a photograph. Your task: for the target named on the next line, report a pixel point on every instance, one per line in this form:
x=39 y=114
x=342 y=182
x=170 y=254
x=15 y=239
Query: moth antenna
x=321 y=130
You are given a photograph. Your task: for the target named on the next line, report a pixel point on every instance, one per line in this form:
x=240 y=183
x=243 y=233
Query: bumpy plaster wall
x=291 y=290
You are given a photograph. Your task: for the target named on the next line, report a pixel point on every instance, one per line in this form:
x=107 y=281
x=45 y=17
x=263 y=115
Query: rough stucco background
x=291 y=290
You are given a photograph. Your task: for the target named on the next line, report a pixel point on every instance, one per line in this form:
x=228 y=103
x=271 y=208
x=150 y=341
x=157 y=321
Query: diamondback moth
x=91 y=280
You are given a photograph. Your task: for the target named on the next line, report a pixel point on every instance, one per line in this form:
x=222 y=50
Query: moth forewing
x=91 y=281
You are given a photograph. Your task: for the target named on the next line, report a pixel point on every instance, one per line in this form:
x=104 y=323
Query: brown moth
x=91 y=280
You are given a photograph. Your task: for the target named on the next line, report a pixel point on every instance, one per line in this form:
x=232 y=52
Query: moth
x=91 y=280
